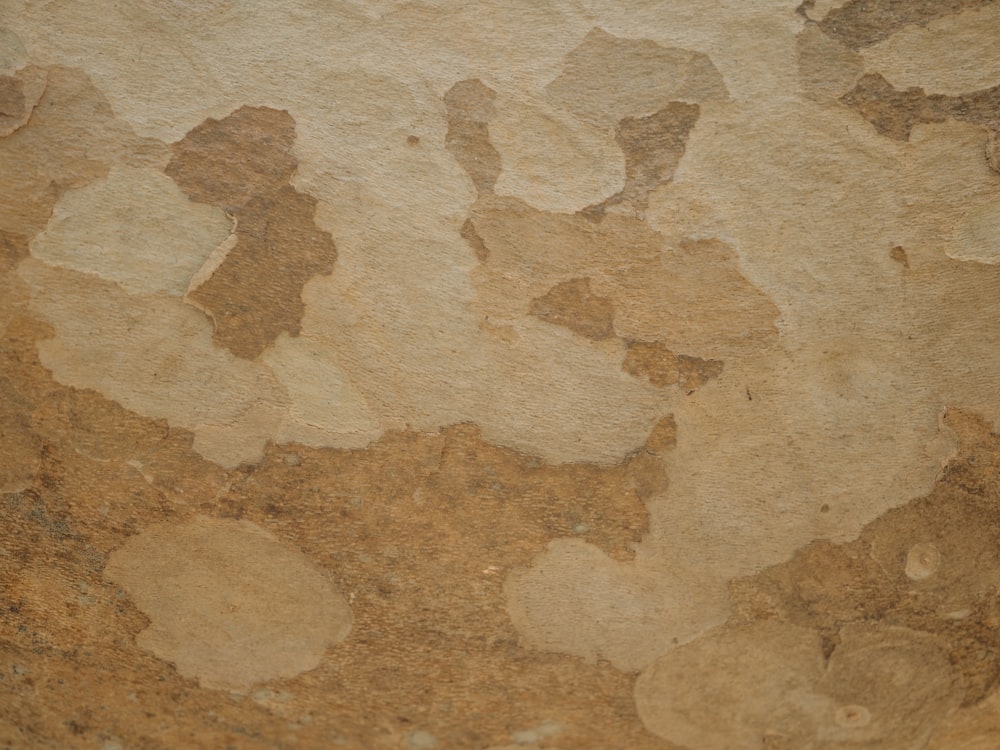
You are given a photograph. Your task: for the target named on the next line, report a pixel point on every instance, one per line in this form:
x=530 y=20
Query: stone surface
x=486 y=375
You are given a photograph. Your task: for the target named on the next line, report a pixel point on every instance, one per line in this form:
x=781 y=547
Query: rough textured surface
x=489 y=375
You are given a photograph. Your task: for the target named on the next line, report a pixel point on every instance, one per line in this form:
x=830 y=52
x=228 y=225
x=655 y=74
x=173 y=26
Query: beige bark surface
x=485 y=374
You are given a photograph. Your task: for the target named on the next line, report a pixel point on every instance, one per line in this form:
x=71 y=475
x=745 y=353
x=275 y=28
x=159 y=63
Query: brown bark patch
x=653 y=147
x=661 y=367
x=861 y=23
x=894 y=113
x=244 y=164
x=573 y=305
x=470 y=108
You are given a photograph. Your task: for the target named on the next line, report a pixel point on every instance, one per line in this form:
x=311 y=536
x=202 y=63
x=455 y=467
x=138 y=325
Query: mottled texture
x=12 y=104
x=680 y=696
x=653 y=147
x=894 y=113
x=243 y=164
x=72 y=140
x=690 y=296
x=860 y=23
x=932 y=565
x=607 y=78
x=107 y=229
x=430 y=648
x=536 y=374
x=231 y=161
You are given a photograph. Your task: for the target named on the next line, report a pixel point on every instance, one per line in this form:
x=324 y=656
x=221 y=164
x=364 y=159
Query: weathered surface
x=488 y=375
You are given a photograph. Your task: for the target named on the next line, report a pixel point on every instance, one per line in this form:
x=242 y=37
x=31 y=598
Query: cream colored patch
x=551 y=160
x=165 y=72
x=882 y=687
x=72 y=140
x=399 y=310
x=922 y=561
x=229 y=605
x=576 y=600
x=13 y=56
x=977 y=234
x=242 y=439
x=326 y=409
x=446 y=369
x=828 y=399
x=869 y=352
x=135 y=228
x=174 y=370
x=953 y=55
x=799 y=201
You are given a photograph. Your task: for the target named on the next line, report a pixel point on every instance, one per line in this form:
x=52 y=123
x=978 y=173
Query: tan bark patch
x=608 y=78
x=256 y=292
x=951 y=54
x=827 y=67
x=13 y=249
x=231 y=161
x=20 y=445
x=72 y=139
x=882 y=686
x=659 y=365
x=12 y=103
x=690 y=297
x=175 y=370
x=973 y=728
x=653 y=147
x=468 y=232
x=573 y=305
x=470 y=108
x=764 y=674
x=417 y=531
x=993 y=150
x=894 y=113
x=860 y=23
x=228 y=604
